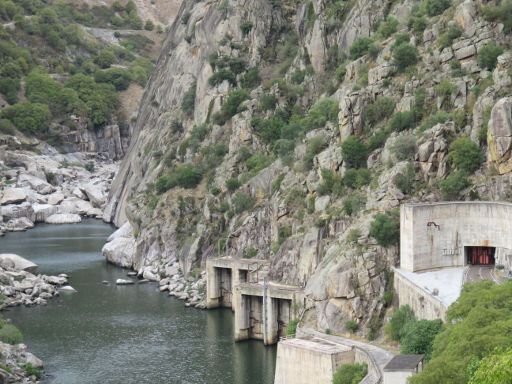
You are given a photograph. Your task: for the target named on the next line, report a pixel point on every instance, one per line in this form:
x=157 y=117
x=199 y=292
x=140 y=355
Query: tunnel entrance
x=225 y=285
x=480 y=255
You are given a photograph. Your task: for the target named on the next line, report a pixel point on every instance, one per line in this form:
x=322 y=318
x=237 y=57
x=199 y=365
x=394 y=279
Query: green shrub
x=32 y=371
x=350 y=374
x=352 y=326
x=388 y=27
x=231 y=106
x=360 y=47
x=340 y=73
x=331 y=183
x=437 y=118
x=233 y=184
x=269 y=130
x=291 y=328
x=185 y=176
x=355 y=153
x=402 y=121
x=323 y=111
x=10 y=334
x=378 y=139
x=356 y=178
x=257 y=162
x=405 y=181
x=453 y=185
x=436 y=7
x=446 y=39
x=488 y=56
x=242 y=202
x=502 y=12
x=466 y=155
x=118 y=77
x=418 y=337
x=395 y=328
x=404 y=147
x=268 y=102
x=89 y=166
x=405 y=55
x=222 y=75
x=10 y=87
x=7 y=127
x=149 y=26
x=381 y=109
x=314 y=147
x=105 y=58
x=251 y=79
x=385 y=228
x=189 y=100
x=354 y=203
x=493 y=369
x=28 y=117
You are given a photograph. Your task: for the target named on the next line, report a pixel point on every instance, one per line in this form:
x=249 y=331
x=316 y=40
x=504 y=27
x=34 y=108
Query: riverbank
x=111 y=333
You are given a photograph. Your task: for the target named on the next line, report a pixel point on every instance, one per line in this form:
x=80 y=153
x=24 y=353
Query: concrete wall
x=424 y=305
x=454 y=225
x=307 y=366
x=399 y=377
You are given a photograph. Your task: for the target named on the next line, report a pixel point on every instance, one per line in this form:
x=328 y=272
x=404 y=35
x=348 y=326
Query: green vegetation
x=350 y=374
x=355 y=153
x=436 y=7
x=488 y=56
x=466 y=155
x=404 y=147
x=381 y=109
x=477 y=327
x=396 y=326
x=352 y=326
x=385 y=228
x=10 y=334
x=233 y=184
x=404 y=55
x=242 y=202
x=231 y=106
x=406 y=181
x=360 y=47
x=500 y=12
x=388 y=27
x=291 y=329
x=356 y=178
x=185 y=176
x=314 y=147
x=453 y=185
x=32 y=371
x=28 y=118
x=494 y=369
x=189 y=100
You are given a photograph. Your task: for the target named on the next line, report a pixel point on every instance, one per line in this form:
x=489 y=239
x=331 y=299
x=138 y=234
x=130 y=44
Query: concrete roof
x=403 y=363
x=317 y=345
x=448 y=282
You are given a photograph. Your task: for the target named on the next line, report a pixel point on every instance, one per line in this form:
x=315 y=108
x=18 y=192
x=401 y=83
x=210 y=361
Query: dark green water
x=124 y=334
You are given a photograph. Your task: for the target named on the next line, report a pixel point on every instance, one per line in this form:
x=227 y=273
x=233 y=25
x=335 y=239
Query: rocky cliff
x=292 y=130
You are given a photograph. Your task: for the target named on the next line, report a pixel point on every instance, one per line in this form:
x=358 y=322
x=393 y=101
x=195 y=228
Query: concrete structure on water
x=440 y=242
x=262 y=309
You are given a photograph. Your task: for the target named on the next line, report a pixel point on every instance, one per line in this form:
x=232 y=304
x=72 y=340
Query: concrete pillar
x=271 y=335
x=212 y=286
x=241 y=306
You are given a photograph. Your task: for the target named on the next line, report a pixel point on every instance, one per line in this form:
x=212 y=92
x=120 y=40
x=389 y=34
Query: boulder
x=55 y=198
x=120 y=251
x=63 y=218
x=499 y=135
x=19 y=224
x=36 y=184
x=13 y=196
x=95 y=195
x=12 y=261
x=15 y=211
x=124 y=282
x=43 y=211
x=67 y=288
x=125 y=230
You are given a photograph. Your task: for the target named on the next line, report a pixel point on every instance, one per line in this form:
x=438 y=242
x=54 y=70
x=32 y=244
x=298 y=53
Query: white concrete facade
x=435 y=235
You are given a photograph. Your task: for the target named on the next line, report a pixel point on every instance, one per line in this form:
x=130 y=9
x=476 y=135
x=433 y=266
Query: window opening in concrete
x=225 y=286
x=480 y=255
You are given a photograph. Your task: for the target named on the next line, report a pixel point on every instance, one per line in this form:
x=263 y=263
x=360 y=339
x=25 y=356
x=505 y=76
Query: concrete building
x=310 y=361
x=442 y=245
x=401 y=367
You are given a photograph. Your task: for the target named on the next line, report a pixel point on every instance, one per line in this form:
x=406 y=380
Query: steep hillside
x=292 y=130
x=73 y=74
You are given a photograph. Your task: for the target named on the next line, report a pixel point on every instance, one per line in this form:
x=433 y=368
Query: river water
x=124 y=334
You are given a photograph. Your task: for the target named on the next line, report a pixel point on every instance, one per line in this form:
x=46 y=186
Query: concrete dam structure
x=263 y=309
x=441 y=247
